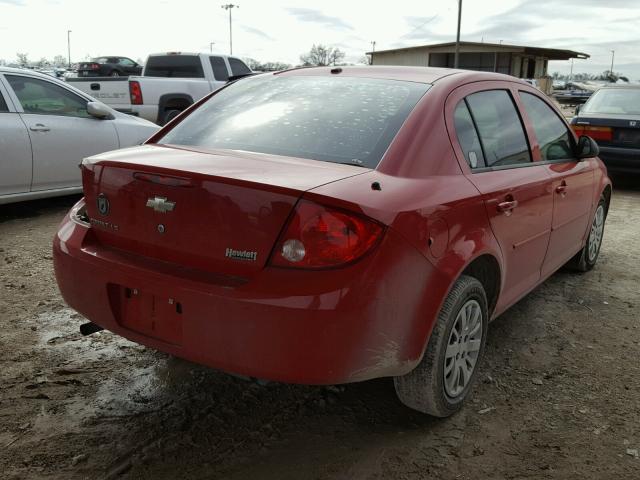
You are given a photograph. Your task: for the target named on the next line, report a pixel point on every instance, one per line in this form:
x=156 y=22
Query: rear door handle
x=506 y=207
x=39 y=127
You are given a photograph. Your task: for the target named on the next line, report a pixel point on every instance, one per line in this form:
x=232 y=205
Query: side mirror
x=99 y=110
x=587 y=147
x=578 y=109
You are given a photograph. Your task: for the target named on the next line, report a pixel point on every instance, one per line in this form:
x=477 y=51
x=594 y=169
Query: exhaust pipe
x=89 y=328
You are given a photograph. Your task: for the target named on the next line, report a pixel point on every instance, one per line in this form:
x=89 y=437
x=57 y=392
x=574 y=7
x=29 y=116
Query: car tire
x=114 y=73
x=586 y=258
x=170 y=115
x=434 y=386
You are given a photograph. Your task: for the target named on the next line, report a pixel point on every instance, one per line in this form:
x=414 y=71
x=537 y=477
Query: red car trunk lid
x=219 y=212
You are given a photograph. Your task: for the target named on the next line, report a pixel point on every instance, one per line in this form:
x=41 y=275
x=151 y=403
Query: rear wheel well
x=487 y=271
x=168 y=102
x=176 y=104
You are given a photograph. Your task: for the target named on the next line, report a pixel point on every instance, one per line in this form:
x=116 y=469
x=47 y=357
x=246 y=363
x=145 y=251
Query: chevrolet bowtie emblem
x=161 y=204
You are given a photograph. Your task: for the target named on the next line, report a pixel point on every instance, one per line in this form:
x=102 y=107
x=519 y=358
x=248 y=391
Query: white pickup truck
x=170 y=83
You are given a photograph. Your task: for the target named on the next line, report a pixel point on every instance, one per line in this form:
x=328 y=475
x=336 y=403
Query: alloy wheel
x=463 y=348
x=595 y=237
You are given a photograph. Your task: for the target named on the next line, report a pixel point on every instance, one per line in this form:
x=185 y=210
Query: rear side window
x=219 y=68
x=237 y=67
x=552 y=135
x=468 y=136
x=335 y=119
x=176 y=66
x=499 y=128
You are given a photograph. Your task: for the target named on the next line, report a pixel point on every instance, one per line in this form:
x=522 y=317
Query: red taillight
x=94 y=66
x=597 y=133
x=324 y=237
x=135 y=92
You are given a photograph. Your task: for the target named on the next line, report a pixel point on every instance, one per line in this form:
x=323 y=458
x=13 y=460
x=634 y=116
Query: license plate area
x=149 y=314
x=628 y=136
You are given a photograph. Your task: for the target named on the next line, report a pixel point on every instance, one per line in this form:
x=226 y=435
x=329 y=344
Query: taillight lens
x=79 y=214
x=94 y=66
x=597 y=133
x=323 y=237
x=135 y=92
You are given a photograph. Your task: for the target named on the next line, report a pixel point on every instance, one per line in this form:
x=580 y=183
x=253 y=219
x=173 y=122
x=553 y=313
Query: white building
x=517 y=60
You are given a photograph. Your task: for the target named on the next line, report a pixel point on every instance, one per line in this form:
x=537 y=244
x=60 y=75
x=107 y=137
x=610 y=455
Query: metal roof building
x=518 y=60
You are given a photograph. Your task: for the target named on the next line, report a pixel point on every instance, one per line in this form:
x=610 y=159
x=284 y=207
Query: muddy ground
x=558 y=395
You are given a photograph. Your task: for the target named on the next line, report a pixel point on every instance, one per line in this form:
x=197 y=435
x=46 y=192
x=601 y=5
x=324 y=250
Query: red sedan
x=333 y=225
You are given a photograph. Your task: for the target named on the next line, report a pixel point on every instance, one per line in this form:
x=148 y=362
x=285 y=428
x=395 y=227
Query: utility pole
x=230 y=6
x=373 y=49
x=457 y=54
x=69 y=46
x=613 y=53
x=571 y=72
x=211 y=44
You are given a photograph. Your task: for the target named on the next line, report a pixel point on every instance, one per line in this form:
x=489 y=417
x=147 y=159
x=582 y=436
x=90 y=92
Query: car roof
x=178 y=54
x=48 y=78
x=26 y=71
x=631 y=86
x=410 y=74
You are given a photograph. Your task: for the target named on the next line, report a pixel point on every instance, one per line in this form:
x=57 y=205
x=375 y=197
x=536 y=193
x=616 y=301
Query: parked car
x=47 y=127
x=171 y=82
x=612 y=118
x=109 y=67
x=575 y=93
x=333 y=225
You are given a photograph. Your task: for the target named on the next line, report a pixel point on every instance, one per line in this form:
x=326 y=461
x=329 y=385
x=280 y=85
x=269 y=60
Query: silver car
x=47 y=127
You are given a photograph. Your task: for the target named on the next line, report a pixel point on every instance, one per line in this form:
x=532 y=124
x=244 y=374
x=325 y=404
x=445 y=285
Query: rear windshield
x=335 y=119
x=180 y=66
x=101 y=60
x=614 y=100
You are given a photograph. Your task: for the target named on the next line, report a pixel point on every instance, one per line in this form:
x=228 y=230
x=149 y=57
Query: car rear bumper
x=367 y=320
x=624 y=160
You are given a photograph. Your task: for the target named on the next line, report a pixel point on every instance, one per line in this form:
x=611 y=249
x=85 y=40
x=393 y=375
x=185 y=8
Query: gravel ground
x=558 y=395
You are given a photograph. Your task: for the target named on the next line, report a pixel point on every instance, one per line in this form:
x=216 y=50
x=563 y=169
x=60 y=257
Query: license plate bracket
x=149 y=314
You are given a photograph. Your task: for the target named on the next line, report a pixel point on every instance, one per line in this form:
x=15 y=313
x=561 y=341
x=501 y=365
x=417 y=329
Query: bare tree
x=60 y=61
x=258 y=66
x=23 y=59
x=322 y=55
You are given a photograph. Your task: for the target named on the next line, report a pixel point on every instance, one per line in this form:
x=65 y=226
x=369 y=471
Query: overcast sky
x=281 y=30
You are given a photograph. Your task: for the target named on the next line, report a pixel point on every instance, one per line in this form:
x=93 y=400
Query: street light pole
x=230 y=6
x=211 y=44
x=69 y=46
x=613 y=53
x=571 y=72
x=457 y=54
x=373 y=49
